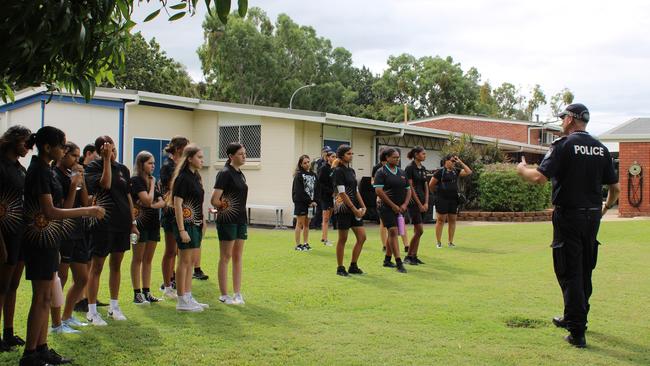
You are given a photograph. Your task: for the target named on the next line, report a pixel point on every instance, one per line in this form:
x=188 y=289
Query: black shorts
x=41 y=264
x=446 y=206
x=104 y=243
x=149 y=235
x=300 y=208
x=345 y=221
x=13 y=242
x=327 y=204
x=388 y=218
x=417 y=217
x=168 y=221
x=75 y=251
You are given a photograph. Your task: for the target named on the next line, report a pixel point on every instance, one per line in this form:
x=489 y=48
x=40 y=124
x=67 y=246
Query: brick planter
x=506 y=216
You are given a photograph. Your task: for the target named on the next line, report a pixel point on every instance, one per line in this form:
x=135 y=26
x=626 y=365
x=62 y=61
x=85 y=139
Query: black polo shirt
x=147 y=218
x=166 y=174
x=325 y=182
x=419 y=178
x=447 y=187
x=394 y=184
x=345 y=176
x=376 y=168
x=235 y=191
x=76 y=232
x=578 y=166
x=12 y=184
x=41 y=232
x=115 y=201
x=189 y=187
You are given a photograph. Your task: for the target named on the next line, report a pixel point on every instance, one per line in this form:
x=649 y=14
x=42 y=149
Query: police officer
x=578 y=165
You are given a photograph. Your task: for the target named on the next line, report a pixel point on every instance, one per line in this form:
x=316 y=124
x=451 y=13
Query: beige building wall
x=363 y=147
x=205 y=131
x=28 y=116
x=155 y=123
x=83 y=123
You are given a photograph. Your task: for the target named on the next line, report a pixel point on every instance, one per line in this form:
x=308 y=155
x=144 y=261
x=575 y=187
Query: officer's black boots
x=559 y=322
x=576 y=341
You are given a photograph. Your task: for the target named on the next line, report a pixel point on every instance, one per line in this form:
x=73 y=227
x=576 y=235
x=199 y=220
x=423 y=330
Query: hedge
x=501 y=189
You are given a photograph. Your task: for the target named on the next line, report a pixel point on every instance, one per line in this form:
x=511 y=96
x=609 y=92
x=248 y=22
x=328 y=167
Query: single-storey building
x=633 y=139
x=274 y=137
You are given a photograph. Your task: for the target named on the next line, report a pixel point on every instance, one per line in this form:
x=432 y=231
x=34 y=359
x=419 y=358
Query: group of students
x=71 y=212
x=399 y=193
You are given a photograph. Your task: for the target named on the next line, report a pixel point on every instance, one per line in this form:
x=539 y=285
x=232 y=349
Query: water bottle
x=134 y=238
x=401 y=225
x=310 y=212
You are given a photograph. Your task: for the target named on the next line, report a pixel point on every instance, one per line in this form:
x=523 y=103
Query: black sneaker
x=81 y=306
x=199 y=275
x=33 y=359
x=99 y=303
x=401 y=269
x=354 y=269
x=138 y=299
x=149 y=297
x=410 y=261
x=51 y=357
x=14 y=340
x=576 y=341
x=417 y=260
x=299 y=248
x=306 y=246
x=389 y=264
x=406 y=249
x=341 y=271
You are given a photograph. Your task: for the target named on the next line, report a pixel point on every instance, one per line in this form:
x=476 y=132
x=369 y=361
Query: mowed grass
x=453 y=310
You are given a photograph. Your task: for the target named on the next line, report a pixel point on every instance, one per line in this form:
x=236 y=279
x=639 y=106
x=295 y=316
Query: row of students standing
x=399 y=192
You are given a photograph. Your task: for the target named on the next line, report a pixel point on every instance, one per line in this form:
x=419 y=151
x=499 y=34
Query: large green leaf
x=242 y=7
x=152 y=16
x=177 y=16
x=223 y=10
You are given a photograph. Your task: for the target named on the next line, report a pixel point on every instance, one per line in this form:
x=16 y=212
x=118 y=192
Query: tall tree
x=537 y=99
x=73 y=44
x=508 y=101
x=560 y=100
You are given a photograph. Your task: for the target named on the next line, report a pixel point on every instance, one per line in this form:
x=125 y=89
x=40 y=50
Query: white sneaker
x=238 y=299
x=196 y=303
x=116 y=314
x=182 y=304
x=439 y=245
x=326 y=243
x=74 y=322
x=226 y=299
x=63 y=329
x=169 y=293
x=95 y=319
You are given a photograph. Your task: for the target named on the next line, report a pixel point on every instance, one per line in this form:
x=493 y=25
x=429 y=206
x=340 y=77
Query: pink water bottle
x=401 y=225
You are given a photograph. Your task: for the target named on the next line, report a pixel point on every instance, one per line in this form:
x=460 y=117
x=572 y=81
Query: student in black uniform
x=326 y=195
x=349 y=210
x=74 y=250
x=175 y=153
x=578 y=166
x=46 y=223
x=187 y=196
x=108 y=183
x=229 y=198
x=383 y=233
x=416 y=174
x=445 y=184
x=147 y=202
x=304 y=194
x=394 y=191
x=12 y=225
x=89 y=154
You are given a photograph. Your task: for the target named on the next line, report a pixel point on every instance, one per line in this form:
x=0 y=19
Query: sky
x=599 y=50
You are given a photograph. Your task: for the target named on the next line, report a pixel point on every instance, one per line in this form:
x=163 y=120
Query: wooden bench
x=279 y=213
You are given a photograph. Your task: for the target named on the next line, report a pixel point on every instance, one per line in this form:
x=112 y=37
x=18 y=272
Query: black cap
x=326 y=149
x=577 y=111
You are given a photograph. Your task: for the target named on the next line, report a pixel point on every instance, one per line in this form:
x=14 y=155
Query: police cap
x=577 y=111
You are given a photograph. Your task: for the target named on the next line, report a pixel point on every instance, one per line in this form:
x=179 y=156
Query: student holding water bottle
x=304 y=194
x=394 y=190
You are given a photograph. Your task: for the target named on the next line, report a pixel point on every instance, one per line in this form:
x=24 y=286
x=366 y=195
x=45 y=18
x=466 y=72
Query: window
x=248 y=135
x=547 y=138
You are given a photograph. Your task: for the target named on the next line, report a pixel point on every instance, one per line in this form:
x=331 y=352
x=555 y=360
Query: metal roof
x=636 y=129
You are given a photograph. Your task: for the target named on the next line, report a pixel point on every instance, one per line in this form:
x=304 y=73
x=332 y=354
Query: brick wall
x=501 y=130
x=628 y=153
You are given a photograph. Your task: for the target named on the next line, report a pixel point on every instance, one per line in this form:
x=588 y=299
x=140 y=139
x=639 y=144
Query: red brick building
x=524 y=132
x=634 y=165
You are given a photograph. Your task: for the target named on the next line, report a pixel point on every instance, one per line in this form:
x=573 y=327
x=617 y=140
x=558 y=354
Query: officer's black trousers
x=575 y=251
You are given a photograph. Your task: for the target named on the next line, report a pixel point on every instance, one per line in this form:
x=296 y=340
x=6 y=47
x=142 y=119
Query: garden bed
x=505 y=216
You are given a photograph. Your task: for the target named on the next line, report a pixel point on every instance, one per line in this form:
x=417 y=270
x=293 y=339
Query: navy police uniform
x=577 y=165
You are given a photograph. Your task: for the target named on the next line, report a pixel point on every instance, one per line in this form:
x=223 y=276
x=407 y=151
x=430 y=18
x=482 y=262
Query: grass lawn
x=453 y=310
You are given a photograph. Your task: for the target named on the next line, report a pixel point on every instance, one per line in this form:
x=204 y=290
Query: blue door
x=155 y=147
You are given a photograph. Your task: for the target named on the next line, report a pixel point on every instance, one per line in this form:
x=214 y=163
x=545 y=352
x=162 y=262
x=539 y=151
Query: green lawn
x=453 y=310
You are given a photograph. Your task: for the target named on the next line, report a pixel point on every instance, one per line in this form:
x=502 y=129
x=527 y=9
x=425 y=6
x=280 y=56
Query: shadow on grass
x=619 y=348
x=479 y=250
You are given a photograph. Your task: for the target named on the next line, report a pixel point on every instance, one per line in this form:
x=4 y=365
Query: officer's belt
x=579 y=209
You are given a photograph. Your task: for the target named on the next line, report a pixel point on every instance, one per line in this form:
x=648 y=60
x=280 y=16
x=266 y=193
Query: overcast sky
x=599 y=50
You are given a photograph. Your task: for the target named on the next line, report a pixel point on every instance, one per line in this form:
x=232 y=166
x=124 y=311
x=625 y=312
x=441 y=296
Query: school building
x=274 y=137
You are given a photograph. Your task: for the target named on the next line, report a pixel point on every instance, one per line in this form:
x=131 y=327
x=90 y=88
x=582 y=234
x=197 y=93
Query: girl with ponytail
x=416 y=174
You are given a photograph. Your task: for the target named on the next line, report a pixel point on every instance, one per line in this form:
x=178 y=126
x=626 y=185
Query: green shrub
x=501 y=189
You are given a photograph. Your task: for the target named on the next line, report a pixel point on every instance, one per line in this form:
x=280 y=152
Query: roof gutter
x=124 y=123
